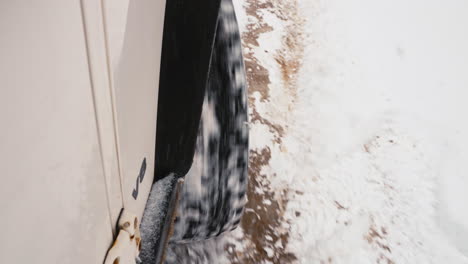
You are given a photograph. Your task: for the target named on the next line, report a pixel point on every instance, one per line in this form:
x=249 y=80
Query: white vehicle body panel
x=78 y=117
x=134 y=72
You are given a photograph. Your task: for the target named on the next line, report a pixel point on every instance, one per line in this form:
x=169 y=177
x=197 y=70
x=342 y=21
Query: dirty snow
x=358 y=131
x=154 y=214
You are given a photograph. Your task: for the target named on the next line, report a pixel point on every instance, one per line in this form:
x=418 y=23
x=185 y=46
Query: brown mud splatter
x=340 y=206
x=265 y=228
x=378 y=238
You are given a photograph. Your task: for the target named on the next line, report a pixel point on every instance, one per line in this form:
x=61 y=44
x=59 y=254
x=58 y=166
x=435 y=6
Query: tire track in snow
x=265 y=230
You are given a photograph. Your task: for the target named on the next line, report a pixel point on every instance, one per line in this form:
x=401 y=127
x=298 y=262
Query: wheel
x=214 y=194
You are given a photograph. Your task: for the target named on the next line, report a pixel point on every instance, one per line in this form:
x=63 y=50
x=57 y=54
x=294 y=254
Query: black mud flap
x=189 y=31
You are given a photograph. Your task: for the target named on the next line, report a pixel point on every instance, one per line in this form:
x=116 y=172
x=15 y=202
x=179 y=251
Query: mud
x=290 y=56
x=377 y=238
x=257 y=75
x=265 y=228
x=263 y=221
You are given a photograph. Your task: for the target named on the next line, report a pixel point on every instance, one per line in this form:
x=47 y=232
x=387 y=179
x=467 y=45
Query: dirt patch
x=254 y=30
x=377 y=237
x=257 y=75
x=263 y=220
x=275 y=129
x=265 y=229
x=289 y=57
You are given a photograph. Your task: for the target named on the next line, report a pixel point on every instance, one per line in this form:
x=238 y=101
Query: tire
x=214 y=194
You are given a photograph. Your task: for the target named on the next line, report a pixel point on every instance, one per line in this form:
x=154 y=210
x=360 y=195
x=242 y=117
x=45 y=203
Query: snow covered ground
x=359 y=132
